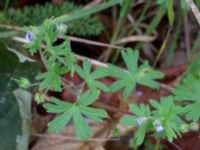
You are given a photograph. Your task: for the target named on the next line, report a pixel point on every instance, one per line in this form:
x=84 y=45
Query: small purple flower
x=139 y=93
x=29 y=36
x=140 y=121
x=159 y=128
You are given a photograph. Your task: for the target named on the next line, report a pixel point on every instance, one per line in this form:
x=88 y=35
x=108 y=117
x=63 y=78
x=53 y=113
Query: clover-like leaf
x=91 y=77
x=76 y=112
x=143 y=75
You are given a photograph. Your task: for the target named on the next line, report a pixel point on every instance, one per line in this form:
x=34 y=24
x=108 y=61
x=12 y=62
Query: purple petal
x=139 y=93
x=29 y=36
x=139 y=121
x=159 y=128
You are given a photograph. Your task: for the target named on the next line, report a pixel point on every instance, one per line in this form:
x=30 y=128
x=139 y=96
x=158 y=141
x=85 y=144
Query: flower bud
x=62 y=28
x=22 y=82
x=39 y=98
x=184 y=128
x=194 y=126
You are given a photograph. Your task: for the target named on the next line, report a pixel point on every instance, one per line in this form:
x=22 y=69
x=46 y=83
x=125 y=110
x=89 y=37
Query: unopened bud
x=39 y=98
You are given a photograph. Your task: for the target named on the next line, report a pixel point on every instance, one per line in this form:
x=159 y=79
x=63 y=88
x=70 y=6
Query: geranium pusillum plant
x=166 y=119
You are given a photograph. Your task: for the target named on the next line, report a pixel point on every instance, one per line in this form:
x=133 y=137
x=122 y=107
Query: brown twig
x=69 y=138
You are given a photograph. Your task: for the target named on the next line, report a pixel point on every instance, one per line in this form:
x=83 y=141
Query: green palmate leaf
x=93 y=113
x=139 y=136
x=51 y=80
x=51 y=55
x=76 y=112
x=128 y=120
x=143 y=75
x=142 y=113
x=131 y=59
x=189 y=91
x=141 y=110
x=61 y=54
x=88 y=98
x=91 y=77
x=168 y=115
x=193 y=111
x=59 y=122
x=83 y=131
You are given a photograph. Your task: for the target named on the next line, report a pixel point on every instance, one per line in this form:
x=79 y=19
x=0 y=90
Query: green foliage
x=168 y=114
x=164 y=120
x=51 y=79
x=142 y=115
x=169 y=5
x=189 y=91
x=35 y=15
x=58 y=59
x=91 y=77
x=75 y=112
x=143 y=112
x=143 y=74
x=170 y=11
x=22 y=82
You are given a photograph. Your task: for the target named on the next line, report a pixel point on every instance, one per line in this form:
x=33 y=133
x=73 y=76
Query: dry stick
x=68 y=138
x=95 y=62
x=136 y=38
x=81 y=40
x=111 y=108
x=194 y=10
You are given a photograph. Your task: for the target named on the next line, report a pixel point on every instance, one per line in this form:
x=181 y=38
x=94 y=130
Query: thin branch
x=69 y=138
x=136 y=38
x=194 y=10
x=111 y=108
x=90 y=42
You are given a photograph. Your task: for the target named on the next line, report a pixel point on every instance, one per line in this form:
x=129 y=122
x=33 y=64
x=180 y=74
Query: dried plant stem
x=90 y=42
x=69 y=138
x=194 y=10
